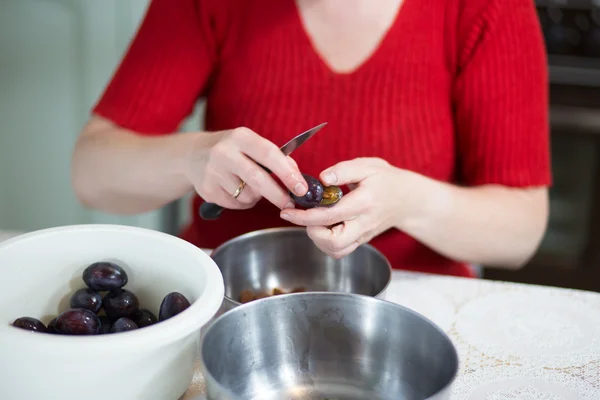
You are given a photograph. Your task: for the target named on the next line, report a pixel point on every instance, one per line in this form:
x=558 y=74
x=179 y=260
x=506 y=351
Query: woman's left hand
x=369 y=209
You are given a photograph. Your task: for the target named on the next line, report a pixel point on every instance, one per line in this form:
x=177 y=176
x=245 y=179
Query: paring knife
x=210 y=211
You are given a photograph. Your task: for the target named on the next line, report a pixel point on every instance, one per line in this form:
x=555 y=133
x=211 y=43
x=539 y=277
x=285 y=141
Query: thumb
x=347 y=172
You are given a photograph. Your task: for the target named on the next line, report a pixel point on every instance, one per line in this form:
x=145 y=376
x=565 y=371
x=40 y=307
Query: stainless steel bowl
x=286 y=258
x=318 y=346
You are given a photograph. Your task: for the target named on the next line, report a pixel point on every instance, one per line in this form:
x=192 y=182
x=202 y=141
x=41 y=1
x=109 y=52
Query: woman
x=437 y=117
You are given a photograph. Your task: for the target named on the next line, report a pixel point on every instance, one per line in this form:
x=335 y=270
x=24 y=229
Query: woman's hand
x=489 y=224
x=221 y=160
x=368 y=210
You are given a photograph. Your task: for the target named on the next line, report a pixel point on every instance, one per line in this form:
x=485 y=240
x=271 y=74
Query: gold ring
x=239 y=189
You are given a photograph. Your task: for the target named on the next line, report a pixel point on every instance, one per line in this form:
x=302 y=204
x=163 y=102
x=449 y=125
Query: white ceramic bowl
x=38 y=273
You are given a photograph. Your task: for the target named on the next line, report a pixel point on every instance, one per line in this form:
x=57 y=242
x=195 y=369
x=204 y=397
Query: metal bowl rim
x=261 y=232
x=242 y=308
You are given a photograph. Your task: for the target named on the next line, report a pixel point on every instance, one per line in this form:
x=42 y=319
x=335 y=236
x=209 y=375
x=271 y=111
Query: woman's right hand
x=221 y=160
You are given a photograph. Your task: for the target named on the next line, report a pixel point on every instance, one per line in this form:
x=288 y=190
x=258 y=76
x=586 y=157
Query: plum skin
x=78 y=321
x=30 y=324
x=106 y=324
x=313 y=196
x=144 y=317
x=86 y=298
x=102 y=276
x=120 y=303
x=123 y=325
x=52 y=327
x=172 y=304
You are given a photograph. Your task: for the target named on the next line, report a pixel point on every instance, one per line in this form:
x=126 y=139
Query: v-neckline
x=364 y=64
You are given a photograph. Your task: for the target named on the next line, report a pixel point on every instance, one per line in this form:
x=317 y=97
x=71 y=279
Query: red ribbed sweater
x=457 y=91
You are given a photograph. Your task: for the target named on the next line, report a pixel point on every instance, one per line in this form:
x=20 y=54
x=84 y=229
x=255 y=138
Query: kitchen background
x=57 y=55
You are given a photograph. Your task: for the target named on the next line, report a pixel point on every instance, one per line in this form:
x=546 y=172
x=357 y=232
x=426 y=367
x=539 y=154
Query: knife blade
x=212 y=211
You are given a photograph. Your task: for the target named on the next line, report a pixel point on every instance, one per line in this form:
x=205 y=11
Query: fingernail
x=290 y=205
x=329 y=178
x=285 y=216
x=300 y=189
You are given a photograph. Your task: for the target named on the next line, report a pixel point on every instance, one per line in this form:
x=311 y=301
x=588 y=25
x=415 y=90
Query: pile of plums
x=318 y=195
x=104 y=306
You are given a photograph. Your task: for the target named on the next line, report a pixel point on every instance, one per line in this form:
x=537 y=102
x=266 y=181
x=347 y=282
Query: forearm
x=490 y=225
x=117 y=171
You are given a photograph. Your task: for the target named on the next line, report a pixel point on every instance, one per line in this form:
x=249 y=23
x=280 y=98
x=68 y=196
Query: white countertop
x=514 y=341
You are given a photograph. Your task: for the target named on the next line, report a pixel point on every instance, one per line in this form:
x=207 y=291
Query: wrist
x=422 y=201
x=192 y=154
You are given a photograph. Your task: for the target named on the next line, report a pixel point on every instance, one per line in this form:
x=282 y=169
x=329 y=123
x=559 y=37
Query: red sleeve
x=501 y=98
x=164 y=70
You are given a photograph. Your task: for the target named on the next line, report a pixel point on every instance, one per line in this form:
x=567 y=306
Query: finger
x=321 y=238
x=260 y=181
x=230 y=183
x=352 y=171
x=348 y=208
x=294 y=163
x=268 y=154
x=339 y=237
x=252 y=195
x=224 y=199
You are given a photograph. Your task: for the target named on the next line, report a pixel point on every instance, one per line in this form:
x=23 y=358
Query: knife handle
x=212 y=211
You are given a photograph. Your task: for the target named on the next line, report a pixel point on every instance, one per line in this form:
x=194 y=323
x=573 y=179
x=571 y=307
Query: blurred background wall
x=57 y=55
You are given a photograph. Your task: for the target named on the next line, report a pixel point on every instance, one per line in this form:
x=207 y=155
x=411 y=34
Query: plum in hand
x=317 y=195
x=172 y=304
x=30 y=324
x=102 y=276
x=88 y=299
x=123 y=325
x=313 y=196
x=120 y=303
x=78 y=321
